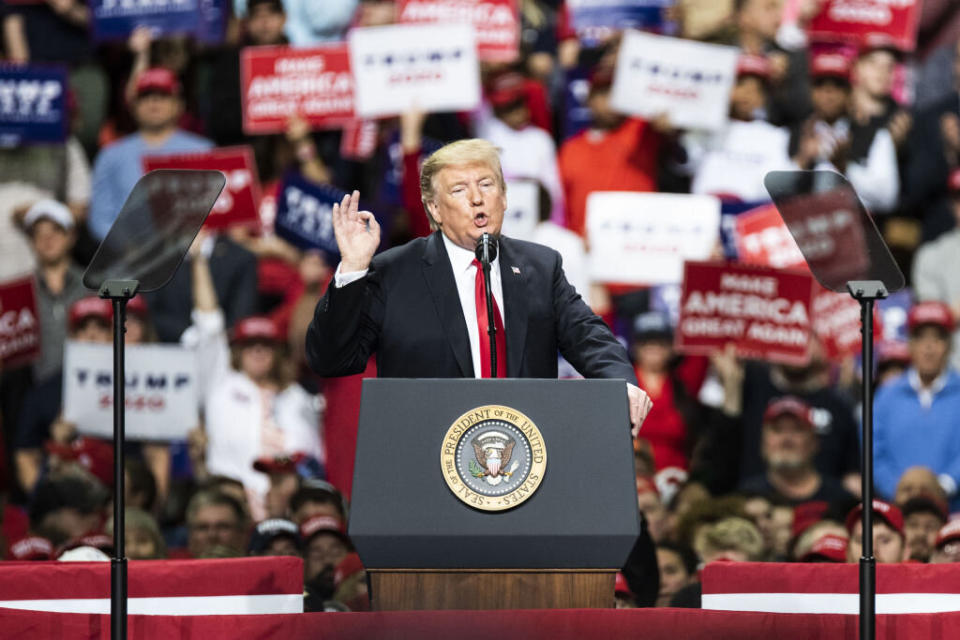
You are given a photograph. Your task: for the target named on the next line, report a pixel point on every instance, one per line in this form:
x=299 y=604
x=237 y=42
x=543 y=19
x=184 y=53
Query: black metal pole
x=868 y=564
x=491 y=320
x=118 y=563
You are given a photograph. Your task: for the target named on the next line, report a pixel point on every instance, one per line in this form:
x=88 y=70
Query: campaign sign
x=523 y=209
x=238 y=203
x=213 y=22
x=399 y=67
x=116 y=19
x=764 y=312
x=690 y=81
x=32 y=104
x=597 y=20
x=305 y=214
x=279 y=82
x=161 y=390
x=836 y=321
x=763 y=239
x=644 y=238
x=497 y=22
x=19 y=324
x=864 y=22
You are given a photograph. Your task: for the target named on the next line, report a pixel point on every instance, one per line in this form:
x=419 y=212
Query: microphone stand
x=487 y=253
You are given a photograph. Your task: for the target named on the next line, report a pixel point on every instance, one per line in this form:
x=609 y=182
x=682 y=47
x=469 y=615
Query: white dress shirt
x=464 y=274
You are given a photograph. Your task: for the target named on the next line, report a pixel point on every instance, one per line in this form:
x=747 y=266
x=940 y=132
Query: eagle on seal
x=495 y=456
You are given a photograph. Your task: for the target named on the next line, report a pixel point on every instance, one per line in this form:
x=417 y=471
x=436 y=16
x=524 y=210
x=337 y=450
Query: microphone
x=486 y=251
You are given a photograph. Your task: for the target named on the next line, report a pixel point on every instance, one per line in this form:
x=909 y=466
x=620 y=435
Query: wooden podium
x=425 y=547
x=420 y=589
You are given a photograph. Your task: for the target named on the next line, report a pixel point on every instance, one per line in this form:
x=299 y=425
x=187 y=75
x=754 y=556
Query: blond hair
x=730 y=534
x=461 y=152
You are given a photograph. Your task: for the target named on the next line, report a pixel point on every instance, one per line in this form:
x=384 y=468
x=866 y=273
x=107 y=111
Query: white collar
x=926 y=394
x=462 y=259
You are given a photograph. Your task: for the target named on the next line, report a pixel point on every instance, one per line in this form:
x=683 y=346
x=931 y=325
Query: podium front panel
x=583 y=514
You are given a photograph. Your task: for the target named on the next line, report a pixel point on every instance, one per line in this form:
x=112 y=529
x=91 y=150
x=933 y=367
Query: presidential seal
x=493 y=458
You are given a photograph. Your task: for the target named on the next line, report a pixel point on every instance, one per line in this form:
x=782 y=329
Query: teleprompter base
x=421 y=589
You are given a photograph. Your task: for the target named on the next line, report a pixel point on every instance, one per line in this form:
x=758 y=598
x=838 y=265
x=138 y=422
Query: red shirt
x=624 y=159
x=664 y=426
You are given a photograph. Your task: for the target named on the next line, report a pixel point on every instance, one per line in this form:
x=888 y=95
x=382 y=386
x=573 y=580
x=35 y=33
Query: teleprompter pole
x=118 y=292
x=867 y=292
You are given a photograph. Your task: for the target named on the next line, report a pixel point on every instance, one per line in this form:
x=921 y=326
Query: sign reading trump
x=305 y=214
x=32 y=104
x=689 y=81
x=644 y=238
x=161 y=390
x=765 y=313
x=497 y=22
x=598 y=20
x=430 y=67
x=280 y=82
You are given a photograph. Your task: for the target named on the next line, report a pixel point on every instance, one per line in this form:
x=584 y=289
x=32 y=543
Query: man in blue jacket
x=917 y=416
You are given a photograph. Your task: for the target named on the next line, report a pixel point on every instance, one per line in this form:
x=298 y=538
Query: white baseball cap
x=51 y=210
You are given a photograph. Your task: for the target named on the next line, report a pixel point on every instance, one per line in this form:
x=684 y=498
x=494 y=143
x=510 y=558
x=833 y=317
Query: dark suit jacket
x=407 y=311
x=234 y=273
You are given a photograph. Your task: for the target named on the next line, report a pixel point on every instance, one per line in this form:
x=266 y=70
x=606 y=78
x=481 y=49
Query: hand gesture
x=140 y=39
x=357 y=233
x=640 y=405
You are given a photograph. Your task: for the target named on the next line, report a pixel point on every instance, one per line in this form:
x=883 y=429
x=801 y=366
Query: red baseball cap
x=948 y=533
x=753 y=65
x=31 y=548
x=893 y=351
x=88 y=307
x=347 y=567
x=138 y=306
x=930 y=312
x=876 y=40
x=159 y=80
x=621 y=586
x=884 y=510
x=97 y=540
x=322 y=524
x=506 y=88
x=96 y=456
x=830 y=65
x=788 y=405
x=256 y=328
x=807 y=514
x=830 y=547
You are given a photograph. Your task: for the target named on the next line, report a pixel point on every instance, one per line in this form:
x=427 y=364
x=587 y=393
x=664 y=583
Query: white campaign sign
x=398 y=67
x=523 y=209
x=689 y=81
x=644 y=238
x=161 y=390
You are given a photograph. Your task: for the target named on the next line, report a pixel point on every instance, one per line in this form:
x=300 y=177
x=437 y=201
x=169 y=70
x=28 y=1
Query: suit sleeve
x=346 y=327
x=584 y=339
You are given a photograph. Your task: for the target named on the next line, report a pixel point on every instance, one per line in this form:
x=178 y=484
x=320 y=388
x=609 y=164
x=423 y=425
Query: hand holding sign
x=357 y=233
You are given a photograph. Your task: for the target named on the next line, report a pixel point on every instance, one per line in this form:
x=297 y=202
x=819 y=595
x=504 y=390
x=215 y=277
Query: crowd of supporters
x=738 y=460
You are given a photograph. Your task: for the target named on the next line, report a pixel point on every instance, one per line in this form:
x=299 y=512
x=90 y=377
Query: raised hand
x=357 y=233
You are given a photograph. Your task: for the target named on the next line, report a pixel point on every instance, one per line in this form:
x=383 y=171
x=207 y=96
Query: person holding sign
x=415 y=305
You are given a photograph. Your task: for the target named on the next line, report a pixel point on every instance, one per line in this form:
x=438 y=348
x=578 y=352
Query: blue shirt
x=909 y=432
x=120 y=165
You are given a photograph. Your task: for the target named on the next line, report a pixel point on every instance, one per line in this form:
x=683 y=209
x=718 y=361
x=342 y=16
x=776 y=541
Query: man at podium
x=421 y=307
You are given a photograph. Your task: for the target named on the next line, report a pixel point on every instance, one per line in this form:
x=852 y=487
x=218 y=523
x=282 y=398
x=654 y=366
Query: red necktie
x=482 y=324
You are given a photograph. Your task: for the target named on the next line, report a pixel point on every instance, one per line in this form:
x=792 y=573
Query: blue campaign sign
x=304 y=214
x=116 y=19
x=576 y=113
x=594 y=20
x=33 y=105
x=213 y=21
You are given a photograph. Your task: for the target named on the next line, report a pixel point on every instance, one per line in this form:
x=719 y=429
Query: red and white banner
x=359 y=139
x=240 y=586
x=764 y=312
x=763 y=239
x=277 y=83
x=828 y=588
x=880 y=22
x=239 y=202
x=19 y=327
x=497 y=22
